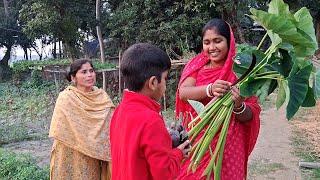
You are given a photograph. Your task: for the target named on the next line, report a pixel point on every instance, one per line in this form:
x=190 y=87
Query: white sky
x=17 y=52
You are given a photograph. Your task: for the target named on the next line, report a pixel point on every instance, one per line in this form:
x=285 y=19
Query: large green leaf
x=273 y=86
x=282 y=26
x=263 y=91
x=251 y=86
x=309 y=100
x=305 y=28
x=280 y=8
x=245 y=58
x=304 y=23
x=284 y=64
x=277 y=24
x=298 y=81
x=197 y=106
x=283 y=93
x=317 y=84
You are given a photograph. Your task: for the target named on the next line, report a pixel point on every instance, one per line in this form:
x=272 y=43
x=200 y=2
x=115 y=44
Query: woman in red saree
x=209 y=75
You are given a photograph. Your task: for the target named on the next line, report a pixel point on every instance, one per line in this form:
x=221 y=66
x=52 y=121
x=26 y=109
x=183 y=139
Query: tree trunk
x=5 y=60
x=229 y=14
x=60 y=50
x=101 y=45
x=4 y=65
x=25 y=52
x=6 y=7
x=317 y=26
x=39 y=53
x=54 y=51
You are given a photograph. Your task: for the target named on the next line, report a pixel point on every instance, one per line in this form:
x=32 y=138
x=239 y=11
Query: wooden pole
x=119 y=93
x=312 y=165
x=102 y=56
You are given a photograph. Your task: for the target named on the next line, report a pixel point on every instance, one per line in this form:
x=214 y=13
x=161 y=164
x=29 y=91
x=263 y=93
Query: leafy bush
x=20 y=167
x=26 y=111
x=26 y=65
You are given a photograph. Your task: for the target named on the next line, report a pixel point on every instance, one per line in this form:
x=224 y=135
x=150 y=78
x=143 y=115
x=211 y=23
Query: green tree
x=68 y=21
x=174 y=24
x=168 y=24
x=10 y=32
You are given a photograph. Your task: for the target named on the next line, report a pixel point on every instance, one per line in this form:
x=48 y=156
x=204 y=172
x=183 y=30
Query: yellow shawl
x=81 y=121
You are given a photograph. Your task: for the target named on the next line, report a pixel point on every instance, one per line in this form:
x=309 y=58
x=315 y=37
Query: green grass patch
x=25 y=111
x=304 y=151
x=25 y=65
x=260 y=167
x=20 y=167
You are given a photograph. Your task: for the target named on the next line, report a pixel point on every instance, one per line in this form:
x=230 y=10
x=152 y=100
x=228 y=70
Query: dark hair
x=220 y=26
x=76 y=66
x=141 y=61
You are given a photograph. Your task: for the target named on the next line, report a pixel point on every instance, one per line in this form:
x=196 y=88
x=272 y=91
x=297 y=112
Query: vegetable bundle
x=285 y=64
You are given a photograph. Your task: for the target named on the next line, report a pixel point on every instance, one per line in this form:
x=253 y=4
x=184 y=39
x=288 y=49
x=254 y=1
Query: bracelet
x=242 y=104
x=244 y=108
x=208 y=90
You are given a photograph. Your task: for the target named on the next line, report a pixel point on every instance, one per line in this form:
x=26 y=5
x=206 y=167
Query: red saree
x=241 y=137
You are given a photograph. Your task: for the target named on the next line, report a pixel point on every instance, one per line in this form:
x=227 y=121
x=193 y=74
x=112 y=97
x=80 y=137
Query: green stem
x=221 y=140
x=266 y=73
x=212 y=132
x=262 y=40
x=217 y=171
x=265 y=77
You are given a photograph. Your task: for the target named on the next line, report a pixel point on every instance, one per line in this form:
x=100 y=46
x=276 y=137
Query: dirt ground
x=272 y=157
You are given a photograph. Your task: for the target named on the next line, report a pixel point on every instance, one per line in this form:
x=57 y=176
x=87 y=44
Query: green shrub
x=20 y=167
x=26 y=65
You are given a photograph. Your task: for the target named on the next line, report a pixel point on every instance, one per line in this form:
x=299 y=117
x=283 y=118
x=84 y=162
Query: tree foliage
x=69 y=21
x=10 y=32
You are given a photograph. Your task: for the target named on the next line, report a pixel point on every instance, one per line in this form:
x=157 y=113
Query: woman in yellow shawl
x=80 y=128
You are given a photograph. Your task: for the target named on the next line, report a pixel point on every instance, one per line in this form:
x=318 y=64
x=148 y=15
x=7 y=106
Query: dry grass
x=308 y=122
x=306 y=140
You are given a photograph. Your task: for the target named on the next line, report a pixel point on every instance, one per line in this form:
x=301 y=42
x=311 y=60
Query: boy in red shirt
x=141 y=147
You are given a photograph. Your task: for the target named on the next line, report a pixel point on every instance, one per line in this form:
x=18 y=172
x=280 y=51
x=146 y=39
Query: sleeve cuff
x=178 y=153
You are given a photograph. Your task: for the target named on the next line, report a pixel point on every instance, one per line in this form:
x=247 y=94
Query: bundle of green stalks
x=216 y=117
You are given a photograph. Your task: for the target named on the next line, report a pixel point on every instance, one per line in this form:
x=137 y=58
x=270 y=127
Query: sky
x=17 y=52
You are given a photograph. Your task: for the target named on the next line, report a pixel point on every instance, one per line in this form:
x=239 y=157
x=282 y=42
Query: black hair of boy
x=142 y=61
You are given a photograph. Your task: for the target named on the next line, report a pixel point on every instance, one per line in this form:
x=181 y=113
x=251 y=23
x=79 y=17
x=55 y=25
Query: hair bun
x=68 y=75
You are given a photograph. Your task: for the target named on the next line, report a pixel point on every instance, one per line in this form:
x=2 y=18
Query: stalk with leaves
x=284 y=65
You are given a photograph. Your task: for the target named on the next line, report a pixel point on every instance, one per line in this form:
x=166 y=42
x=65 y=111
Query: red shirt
x=141 y=147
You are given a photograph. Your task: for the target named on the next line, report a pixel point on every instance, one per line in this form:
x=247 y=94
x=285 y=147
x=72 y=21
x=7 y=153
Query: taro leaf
x=298 y=81
x=273 y=86
x=278 y=7
x=283 y=93
x=245 y=58
x=251 y=86
x=309 y=100
x=305 y=28
x=317 y=84
x=197 y=106
x=264 y=91
x=279 y=25
x=284 y=64
x=298 y=31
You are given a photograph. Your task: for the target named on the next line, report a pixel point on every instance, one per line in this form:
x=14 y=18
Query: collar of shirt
x=129 y=96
